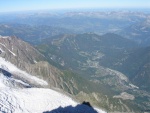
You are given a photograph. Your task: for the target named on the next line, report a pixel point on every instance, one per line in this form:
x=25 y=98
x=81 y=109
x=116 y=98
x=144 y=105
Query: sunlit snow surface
x=34 y=100
x=14 y=99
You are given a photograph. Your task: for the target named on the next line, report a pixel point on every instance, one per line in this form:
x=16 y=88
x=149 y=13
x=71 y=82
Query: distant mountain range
x=40 y=25
x=98 y=57
x=139 y=32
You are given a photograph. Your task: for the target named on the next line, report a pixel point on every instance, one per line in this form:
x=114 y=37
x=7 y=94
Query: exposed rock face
x=18 y=51
x=27 y=58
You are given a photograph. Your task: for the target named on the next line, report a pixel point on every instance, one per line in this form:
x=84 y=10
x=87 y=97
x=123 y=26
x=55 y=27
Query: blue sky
x=21 y=5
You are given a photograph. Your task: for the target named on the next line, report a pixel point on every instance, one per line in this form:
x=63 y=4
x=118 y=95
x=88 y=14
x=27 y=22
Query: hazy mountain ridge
x=99 y=22
x=31 y=33
x=139 y=32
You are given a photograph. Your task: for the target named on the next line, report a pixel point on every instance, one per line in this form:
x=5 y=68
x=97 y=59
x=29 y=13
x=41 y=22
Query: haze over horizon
x=26 y=5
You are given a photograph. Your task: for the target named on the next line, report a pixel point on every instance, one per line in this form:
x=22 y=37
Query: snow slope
x=32 y=100
x=14 y=70
x=16 y=99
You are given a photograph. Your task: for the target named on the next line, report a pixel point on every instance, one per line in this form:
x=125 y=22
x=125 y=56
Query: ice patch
x=4 y=36
x=1 y=51
x=21 y=82
x=35 y=61
x=8 y=49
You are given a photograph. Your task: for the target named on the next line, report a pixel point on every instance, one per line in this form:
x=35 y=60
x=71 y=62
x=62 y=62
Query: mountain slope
x=136 y=67
x=27 y=58
x=82 y=53
x=96 y=58
x=109 y=88
x=17 y=97
x=71 y=48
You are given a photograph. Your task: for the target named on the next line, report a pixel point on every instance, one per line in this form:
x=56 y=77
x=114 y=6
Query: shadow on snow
x=85 y=107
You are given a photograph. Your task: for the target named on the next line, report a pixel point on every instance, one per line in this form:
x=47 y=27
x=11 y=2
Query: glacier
x=15 y=97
